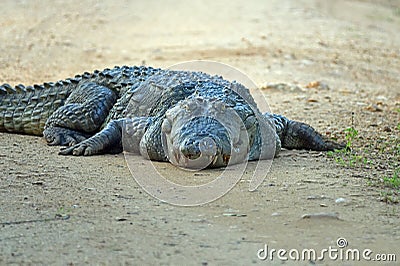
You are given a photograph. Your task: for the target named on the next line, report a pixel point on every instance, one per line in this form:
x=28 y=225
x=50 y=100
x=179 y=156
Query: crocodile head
x=204 y=132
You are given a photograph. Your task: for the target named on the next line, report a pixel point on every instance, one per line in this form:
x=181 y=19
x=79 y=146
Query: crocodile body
x=191 y=119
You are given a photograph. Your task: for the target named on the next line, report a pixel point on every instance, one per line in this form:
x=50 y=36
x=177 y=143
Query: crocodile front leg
x=82 y=115
x=118 y=134
x=298 y=135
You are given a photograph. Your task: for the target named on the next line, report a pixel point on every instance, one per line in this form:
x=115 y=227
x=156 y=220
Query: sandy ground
x=74 y=211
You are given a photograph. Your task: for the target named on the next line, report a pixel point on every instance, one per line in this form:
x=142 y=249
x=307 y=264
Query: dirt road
x=74 y=211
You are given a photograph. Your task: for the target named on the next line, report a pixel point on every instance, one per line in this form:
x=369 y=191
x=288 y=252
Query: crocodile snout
x=193 y=149
x=196 y=153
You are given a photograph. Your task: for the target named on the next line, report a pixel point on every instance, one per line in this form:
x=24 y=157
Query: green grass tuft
x=393 y=181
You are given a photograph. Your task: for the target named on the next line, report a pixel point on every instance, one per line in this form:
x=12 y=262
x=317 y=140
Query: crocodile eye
x=166 y=126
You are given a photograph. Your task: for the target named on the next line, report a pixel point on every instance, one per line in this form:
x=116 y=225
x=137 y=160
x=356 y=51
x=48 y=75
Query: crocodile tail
x=298 y=135
x=26 y=109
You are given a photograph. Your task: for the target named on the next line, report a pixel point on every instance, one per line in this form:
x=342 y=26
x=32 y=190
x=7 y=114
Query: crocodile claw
x=57 y=136
x=77 y=150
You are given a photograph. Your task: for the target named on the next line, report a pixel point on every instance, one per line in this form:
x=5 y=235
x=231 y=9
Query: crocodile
x=191 y=119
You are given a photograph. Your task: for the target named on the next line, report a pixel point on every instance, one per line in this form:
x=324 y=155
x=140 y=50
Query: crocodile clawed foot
x=108 y=139
x=57 y=136
x=77 y=150
x=331 y=145
x=90 y=146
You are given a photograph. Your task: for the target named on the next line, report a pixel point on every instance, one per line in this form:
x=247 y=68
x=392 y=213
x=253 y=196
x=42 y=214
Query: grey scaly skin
x=190 y=119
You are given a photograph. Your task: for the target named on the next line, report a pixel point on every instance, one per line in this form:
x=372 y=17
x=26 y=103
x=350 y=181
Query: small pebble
x=387 y=129
x=229 y=214
x=381 y=98
x=62 y=216
x=235 y=214
x=306 y=62
x=374 y=108
x=340 y=200
x=314 y=197
x=283 y=87
x=330 y=215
